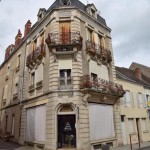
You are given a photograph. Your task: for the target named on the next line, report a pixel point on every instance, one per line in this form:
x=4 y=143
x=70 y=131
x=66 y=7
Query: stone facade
x=63 y=57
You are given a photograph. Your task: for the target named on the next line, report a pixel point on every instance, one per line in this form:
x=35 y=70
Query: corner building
x=70 y=98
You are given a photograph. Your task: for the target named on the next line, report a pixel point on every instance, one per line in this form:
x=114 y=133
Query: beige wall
x=134 y=111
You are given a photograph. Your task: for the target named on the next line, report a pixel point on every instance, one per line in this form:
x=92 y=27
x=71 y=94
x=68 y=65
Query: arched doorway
x=66 y=127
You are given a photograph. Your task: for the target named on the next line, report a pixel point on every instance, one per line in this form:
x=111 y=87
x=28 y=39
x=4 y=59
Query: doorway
x=66 y=131
x=138 y=129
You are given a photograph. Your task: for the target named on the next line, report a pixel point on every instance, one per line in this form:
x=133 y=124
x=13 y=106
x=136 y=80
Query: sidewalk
x=135 y=146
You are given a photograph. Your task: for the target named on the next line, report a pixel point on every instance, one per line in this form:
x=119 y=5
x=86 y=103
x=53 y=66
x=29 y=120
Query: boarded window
x=131 y=125
x=36 y=120
x=144 y=126
x=101 y=122
x=39 y=73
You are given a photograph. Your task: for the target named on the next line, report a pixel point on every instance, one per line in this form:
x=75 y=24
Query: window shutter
x=140 y=103
x=132 y=95
x=145 y=100
x=39 y=73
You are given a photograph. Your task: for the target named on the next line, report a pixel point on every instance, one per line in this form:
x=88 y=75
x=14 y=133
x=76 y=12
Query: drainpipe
x=23 y=80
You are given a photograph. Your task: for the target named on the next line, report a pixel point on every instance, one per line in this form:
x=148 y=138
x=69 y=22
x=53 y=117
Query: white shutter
x=36 y=123
x=104 y=72
x=145 y=100
x=140 y=101
x=39 y=73
x=128 y=100
x=144 y=126
x=132 y=95
x=131 y=125
x=16 y=82
x=101 y=122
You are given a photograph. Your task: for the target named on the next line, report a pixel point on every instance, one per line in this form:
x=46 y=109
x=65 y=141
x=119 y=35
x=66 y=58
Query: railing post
x=130 y=141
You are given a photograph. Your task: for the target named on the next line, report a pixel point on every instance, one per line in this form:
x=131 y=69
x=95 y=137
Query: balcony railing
x=64 y=39
x=102 y=53
x=101 y=85
x=35 y=56
x=65 y=83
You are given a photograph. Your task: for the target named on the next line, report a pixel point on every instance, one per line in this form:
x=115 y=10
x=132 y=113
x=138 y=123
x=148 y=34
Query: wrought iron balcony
x=35 y=56
x=65 y=83
x=101 y=85
x=64 y=39
x=102 y=53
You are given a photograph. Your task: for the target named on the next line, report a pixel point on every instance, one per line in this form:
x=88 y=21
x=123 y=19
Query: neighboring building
x=69 y=98
x=11 y=76
x=133 y=106
x=146 y=71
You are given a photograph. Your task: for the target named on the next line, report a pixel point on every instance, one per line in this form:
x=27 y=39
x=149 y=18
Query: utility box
x=105 y=147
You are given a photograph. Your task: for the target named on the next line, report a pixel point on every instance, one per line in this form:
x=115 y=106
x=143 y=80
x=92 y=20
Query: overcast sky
x=128 y=19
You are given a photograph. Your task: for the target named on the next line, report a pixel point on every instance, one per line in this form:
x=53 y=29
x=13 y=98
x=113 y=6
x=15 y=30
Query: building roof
x=74 y=3
x=129 y=75
x=145 y=69
x=79 y=5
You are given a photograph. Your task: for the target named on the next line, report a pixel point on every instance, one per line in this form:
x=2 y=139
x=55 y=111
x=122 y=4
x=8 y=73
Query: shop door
x=66 y=131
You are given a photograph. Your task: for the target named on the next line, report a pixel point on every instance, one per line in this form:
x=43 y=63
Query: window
x=93 y=12
x=132 y=95
x=8 y=71
x=39 y=74
x=148 y=100
x=13 y=125
x=127 y=99
x=35 y=44
x=101 y=40
x=144 y=126
x=90 y=35
x=140 y=100
x=131 y=125
x=65 y=77
x=32 y=78
x=94 y=76
x=36 y=120
x=6 y=124
x=18 y=62
x=101 y=122
x=16 y=87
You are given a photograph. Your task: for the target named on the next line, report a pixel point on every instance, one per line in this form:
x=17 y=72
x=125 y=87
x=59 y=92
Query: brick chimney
x=18 y=38
x=27 y=28
x=138 y=73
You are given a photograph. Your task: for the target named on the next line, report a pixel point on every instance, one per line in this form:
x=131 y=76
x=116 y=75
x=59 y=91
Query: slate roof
x=129 y=75
x=77 y=4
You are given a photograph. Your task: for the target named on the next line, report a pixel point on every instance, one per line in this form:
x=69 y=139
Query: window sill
x=146 y=131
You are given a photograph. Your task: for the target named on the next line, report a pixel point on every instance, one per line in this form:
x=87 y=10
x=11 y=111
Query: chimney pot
x=27 y=28
x=18 y=38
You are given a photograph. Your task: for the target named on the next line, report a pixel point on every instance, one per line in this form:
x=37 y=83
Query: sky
x=128 y=19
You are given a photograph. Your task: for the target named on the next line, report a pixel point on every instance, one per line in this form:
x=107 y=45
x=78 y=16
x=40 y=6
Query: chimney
x=18 y=38
x=138 y=73
x=27 y=28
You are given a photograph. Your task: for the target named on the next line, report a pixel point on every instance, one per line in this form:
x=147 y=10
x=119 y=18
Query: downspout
x=23 y=86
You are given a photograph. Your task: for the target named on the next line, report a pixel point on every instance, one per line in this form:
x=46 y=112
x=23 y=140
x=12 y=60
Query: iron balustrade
x=103 y=53
x=65 y=82
x=102 y=85
x=36 y=55
x=64 y=38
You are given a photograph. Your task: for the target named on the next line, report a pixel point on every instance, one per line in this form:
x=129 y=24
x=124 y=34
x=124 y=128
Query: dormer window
x=91 y=9
x=41 y=13
x=93 y=13
x=65 y=2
